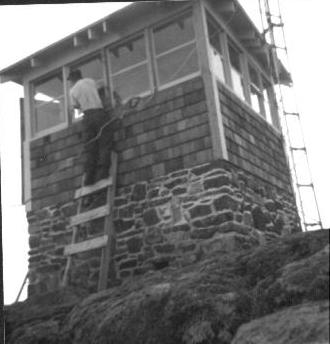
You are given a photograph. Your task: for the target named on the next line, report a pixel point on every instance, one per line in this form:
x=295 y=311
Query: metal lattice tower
x=273 y=30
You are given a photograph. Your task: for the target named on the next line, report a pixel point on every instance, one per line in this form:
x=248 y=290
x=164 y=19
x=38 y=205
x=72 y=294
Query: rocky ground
x=275 y=293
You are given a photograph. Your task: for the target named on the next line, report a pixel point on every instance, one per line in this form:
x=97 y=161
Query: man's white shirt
x=84 y=95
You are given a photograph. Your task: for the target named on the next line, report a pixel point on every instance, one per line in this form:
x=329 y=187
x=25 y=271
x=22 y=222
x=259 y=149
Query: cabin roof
x=240 y=23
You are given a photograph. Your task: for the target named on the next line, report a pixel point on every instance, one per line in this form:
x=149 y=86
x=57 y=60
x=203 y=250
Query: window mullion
x=245 y=74
x=66 y=94
x=261 y=97
x=150 y=58
x=224 y=44
x=111 y=86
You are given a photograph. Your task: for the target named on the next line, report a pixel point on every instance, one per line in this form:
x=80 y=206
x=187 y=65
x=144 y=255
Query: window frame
x=187 y=77
x=146 y=62
x=227 y=37
x=258 y=89
x=75 y=64
x=222 y=42
x=33 y=118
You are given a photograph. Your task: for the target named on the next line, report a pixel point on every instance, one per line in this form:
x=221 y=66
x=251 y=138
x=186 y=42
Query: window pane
x=216 y=51
x=266 y=97
x=177 y=64
x=128 y=54
x=234 y=56
x=237 y=82
x=91 y=69
x=214 y=32
x=49 y=103
x=49 y=114
x=132 y=82
x=52 y=87
x=173 y=34
x=218 y=65
x=255 y=100
x=254 y=77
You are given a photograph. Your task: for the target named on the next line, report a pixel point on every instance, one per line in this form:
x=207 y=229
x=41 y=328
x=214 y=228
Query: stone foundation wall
x=168 y=221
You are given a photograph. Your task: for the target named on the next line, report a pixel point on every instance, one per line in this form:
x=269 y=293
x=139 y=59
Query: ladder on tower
x=106 y=241
x=298 y=161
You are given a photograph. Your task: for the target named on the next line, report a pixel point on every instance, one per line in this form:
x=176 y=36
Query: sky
x=25 y=29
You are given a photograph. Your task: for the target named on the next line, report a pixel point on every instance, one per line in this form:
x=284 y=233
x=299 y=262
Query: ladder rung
x=90 y=215
x=86 y=190
x=86 y=245
x=298 y=148
x=291 y=113
x=313 y=224
x=305 y=185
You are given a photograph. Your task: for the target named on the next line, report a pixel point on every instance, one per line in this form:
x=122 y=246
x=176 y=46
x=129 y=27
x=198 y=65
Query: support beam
x=78 y=41
x=210 y=85
x=226 y=7
x=92 y=34
x=35 y=62
x=105 y=27
x=247 y=34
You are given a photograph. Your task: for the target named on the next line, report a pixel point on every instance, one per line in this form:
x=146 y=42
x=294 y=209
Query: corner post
x=219 y=148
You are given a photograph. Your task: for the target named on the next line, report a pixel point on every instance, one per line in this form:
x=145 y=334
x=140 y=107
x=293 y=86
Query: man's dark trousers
x=97 y=150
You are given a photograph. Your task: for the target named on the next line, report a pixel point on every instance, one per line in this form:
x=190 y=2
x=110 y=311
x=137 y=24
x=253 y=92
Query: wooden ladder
x=107 y=239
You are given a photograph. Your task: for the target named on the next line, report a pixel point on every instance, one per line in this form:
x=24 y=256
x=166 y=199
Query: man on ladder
x=97 y=136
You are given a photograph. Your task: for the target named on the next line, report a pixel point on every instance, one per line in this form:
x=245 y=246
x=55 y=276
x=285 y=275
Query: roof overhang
x=232 y=12
x=236 y=18
x=16 y=71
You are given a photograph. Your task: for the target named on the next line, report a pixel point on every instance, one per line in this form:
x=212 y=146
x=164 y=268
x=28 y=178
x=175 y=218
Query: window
x=175 y=50
x=48 y=103
x=129 y=68
x=255 y=91
x=236 y=71
x=218 y=64
x=267 y=96
x=93 y=69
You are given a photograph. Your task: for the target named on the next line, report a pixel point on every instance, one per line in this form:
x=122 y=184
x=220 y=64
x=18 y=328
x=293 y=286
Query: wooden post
x=210 y=85
x=107 y=252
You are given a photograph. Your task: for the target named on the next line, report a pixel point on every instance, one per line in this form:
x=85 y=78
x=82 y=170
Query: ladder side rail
x=292 y=161
x=109 y=227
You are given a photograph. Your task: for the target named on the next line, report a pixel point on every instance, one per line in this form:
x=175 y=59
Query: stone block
x=125 y=274
x=160 y=201
x=200 y=210
x=34 y=241
x=127 y=264
x=232 y=226
x=216 y=182
x=123 y=225
x=226 y=202
x=164 y=248
x=260 y=219
x=119 y=201
x=153 y=236
x=179 y=190
x=203 y=233
x=126 y=211
x=150 y=217
x=184 y=227
x=187 y=246
x=248 y=219
x=214 y=219
x=134 y=244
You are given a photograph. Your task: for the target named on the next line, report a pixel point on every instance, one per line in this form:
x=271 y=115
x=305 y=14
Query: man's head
x=74 y=76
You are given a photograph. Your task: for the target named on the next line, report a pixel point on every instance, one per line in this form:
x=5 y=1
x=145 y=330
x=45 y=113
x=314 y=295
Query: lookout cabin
x=200 y=157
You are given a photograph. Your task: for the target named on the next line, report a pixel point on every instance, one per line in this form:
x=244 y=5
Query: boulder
x=277 y=292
